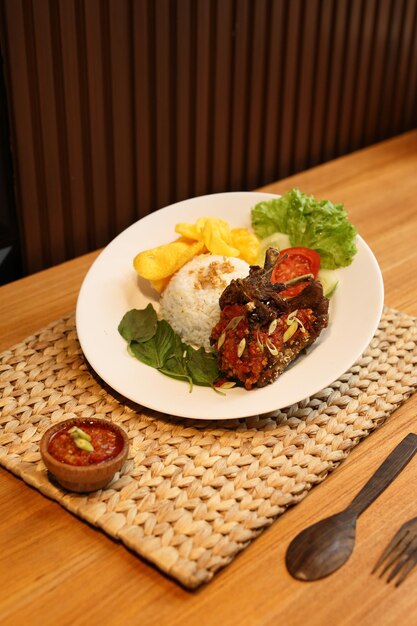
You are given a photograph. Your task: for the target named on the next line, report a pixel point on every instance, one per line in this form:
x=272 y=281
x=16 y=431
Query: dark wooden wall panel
x=119 y=107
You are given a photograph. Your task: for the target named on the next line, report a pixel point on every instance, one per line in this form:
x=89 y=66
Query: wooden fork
x=400 y=553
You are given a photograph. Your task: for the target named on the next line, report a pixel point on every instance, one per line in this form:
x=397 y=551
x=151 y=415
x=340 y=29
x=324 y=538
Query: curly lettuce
x=317 y=224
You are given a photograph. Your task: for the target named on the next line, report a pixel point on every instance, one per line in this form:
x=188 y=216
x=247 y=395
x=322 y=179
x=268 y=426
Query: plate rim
x=156 y=406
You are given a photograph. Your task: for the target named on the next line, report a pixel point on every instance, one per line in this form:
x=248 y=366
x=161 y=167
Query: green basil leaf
x=139 y=325
x=164 y=345
x=145 y=351
x=157 y=345
x=168 y=344
x=175 y=368
x=202 y=366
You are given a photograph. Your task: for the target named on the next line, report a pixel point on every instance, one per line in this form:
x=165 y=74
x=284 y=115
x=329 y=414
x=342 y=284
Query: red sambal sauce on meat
x=106 y=444
x=251 y=361
x=244 y=350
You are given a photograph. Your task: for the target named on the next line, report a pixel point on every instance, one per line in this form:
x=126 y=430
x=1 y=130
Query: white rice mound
x=190 y=302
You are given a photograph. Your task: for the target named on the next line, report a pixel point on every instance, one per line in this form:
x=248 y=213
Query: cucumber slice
x=279 y=241
x=329 y=279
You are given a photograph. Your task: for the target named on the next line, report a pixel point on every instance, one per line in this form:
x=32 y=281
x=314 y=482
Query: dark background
x=111 y=109
x=10 y=257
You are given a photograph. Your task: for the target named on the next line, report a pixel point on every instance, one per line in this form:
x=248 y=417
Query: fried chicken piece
x=260 y=332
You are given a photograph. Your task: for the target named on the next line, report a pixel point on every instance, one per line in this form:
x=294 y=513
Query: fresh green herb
x=317 y=224
x=157 y=349
x=176 y=367
x=134 y=327
x=159 y=346
x=202 y=366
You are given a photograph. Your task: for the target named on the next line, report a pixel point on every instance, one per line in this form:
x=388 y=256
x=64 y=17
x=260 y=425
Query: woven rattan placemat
x=193 y=494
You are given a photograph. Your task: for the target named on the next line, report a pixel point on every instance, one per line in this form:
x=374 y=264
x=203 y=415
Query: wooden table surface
x=56 y=569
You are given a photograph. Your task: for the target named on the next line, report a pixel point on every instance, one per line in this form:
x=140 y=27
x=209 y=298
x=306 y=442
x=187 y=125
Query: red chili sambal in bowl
x=83 y=454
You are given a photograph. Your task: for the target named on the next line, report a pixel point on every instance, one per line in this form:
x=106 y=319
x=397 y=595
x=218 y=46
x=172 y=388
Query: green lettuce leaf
x=317 y=224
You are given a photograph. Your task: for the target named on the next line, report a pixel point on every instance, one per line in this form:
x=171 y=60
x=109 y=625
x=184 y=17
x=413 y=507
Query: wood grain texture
x=58 y=570
x=320 y=549
x=120 y=107
x=392 y=563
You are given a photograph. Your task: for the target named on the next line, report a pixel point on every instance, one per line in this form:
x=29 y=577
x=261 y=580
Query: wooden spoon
x=323 y=547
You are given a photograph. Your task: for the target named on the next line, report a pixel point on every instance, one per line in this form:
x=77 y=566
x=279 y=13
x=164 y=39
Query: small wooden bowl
x=83 y=478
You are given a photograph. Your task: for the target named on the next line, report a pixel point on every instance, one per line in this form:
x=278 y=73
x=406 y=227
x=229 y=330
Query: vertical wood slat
x=47 y=152
x=347 y=95
x=222 y=77
x=60 y=222
x=273 y=89
x=256 y=69
x=410 y=107
x=142 y=82
x=184 y=119
x=72 y=140
x=119 y=107
x=120 y=61
x=336 y=78
x=290 y=86
x=203 y=96
x=392 y=65
x=321 y=81
x=164 y=129
x=305 y=101
x=240 y=94
x=405 y=62
x=379 y=67
x=19 y=74
x=363 y=76
x=98 y=78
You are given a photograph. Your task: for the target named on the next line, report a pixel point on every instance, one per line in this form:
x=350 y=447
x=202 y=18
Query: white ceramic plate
x=112 y=287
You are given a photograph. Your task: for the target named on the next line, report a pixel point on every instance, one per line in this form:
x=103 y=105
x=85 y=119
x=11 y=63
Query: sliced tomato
x=293 y=262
